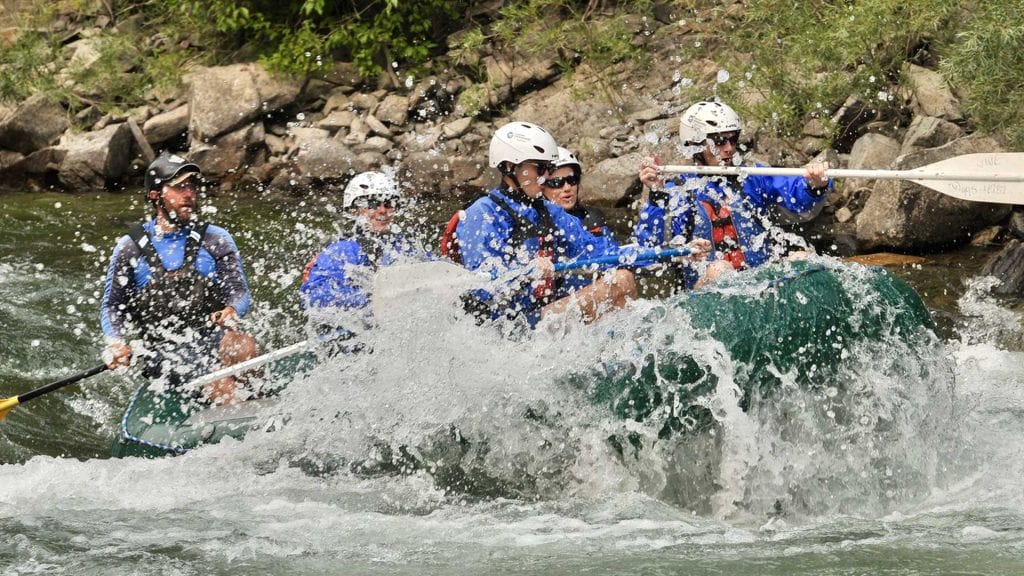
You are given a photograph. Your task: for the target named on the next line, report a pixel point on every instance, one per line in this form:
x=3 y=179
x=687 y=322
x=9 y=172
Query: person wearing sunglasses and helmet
x=562 y=187
x=732 y=214
x=178 y=283
x=514 y=227
x=339 y=277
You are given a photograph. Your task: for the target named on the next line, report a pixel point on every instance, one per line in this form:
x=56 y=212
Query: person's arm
x=484 y=237
x=331 y=281
x=649 y=230
x=230 y=275
x=577 y=242
x=117 y=289
x=798 y=194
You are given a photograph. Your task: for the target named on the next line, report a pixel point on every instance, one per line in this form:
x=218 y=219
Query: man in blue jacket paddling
x=514 y=228
x=732 y=213
x=179 y=284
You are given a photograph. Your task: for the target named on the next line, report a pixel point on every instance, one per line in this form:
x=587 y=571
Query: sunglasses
x=556 y=183
x=542 y=168
x=374 y=202
x=720 y=139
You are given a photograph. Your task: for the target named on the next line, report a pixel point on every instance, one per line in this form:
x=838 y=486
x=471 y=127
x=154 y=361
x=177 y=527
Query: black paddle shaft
x=61 y=383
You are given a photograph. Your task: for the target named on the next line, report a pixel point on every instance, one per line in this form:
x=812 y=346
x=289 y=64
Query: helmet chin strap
x=510 y=173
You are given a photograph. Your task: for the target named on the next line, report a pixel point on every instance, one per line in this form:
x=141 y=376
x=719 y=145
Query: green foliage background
x=790 y=60
x=807 y=57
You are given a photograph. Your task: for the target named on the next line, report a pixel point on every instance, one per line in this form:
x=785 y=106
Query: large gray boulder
x=608 y=181
x=35 y=164
x=167 y=125
x=95 y=160
x=228 y=154
x=394 y=110
x=931 y=95
x=871 y=151
x=34 y=124
x=1008 y=267
x=929 y=132
x=224 y=98
x=906 y=216
x=323 y=159
x=428 y=170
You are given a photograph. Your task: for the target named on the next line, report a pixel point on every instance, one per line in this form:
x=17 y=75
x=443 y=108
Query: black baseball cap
x=170 y=170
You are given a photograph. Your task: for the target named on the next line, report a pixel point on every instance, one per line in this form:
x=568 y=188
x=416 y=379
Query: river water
x=938 y=491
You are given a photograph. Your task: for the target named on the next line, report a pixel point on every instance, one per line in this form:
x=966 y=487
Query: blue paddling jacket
x=496 y=241
x=341 y=274
x=684 y=214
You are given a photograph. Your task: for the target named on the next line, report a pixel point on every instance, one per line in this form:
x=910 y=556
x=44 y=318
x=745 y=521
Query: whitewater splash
x=483 y=415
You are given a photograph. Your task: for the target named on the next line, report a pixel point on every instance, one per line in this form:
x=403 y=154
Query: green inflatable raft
x=164 y=422
x=799 y=322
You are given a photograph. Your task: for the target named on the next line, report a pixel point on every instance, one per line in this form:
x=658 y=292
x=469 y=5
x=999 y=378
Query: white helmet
x=369 y=184
x=704 y=118
x=518 y=142
x=567 y=158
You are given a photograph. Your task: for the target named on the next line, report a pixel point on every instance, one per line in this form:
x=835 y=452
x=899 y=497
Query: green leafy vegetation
x=27 y=66
x=298 y=37
x=569 y=29
x=788 y=61
x=987 y=62
x=806 y=58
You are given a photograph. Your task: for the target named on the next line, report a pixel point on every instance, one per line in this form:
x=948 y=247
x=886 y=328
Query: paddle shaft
x=642 y=257
x=9 y=403
x=917 y=174
x=234 y=369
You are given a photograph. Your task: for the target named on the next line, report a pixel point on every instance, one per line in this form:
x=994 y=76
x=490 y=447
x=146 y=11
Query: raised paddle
x=986 y=177
x=7 y=403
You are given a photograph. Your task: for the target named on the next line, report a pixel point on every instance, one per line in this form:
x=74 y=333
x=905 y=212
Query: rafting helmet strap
x=508 y=170
x=544 y=290
x=141 y=237
x=194 y=242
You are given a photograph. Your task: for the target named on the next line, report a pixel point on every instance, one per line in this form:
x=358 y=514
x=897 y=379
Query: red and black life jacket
x=724 y=236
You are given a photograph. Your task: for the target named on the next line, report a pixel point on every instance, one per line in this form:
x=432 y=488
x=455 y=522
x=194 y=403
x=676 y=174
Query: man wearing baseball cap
x=178 y=284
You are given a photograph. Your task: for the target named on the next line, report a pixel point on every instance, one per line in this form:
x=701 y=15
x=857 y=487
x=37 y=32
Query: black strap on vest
x=141 y=238
x=523 y=227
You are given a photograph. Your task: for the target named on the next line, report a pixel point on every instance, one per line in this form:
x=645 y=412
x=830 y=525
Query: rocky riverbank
x=256 y=132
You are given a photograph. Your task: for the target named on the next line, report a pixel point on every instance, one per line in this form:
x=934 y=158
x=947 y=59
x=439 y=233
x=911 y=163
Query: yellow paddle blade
x=6 y=405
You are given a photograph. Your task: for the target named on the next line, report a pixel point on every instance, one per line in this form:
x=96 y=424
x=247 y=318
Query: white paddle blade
x=997 y=178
